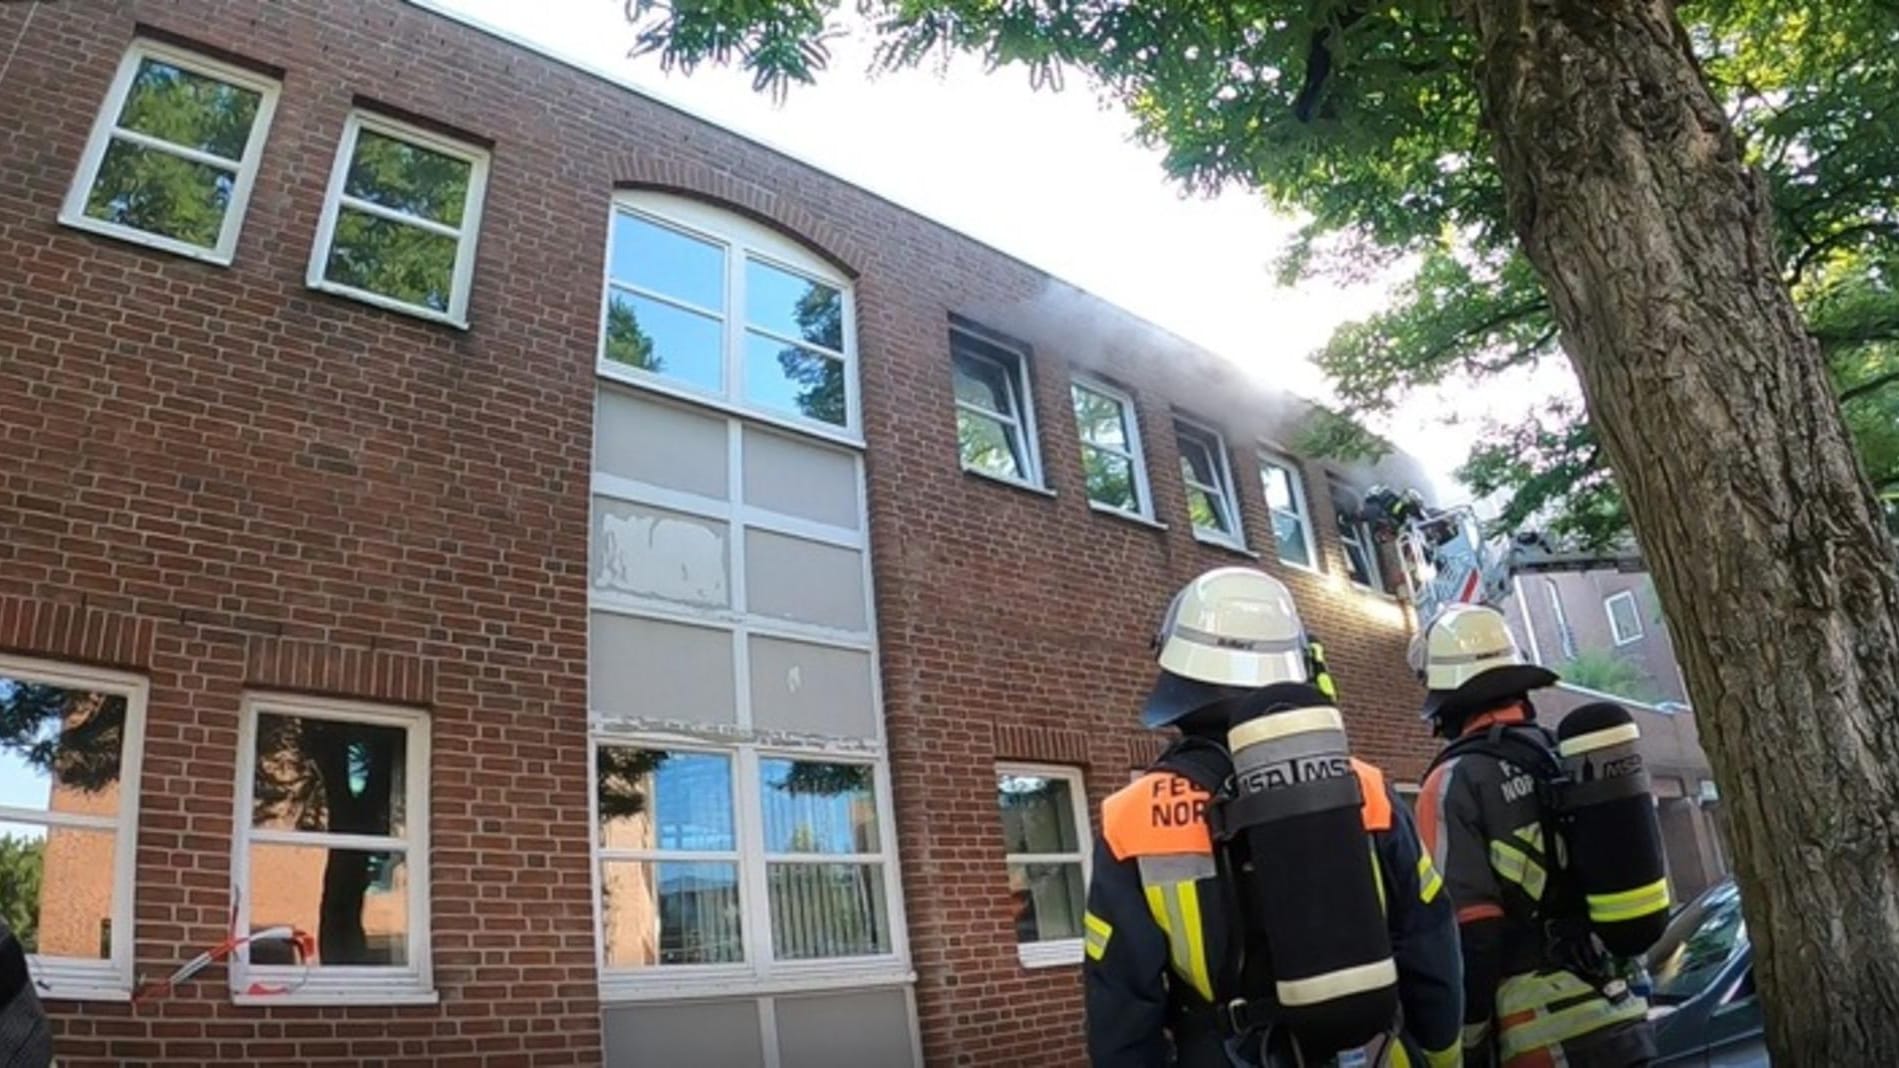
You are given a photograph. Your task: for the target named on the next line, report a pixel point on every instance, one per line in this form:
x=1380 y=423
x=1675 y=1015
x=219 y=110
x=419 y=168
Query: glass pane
x=392 y=259
x=329 y=775
x=828 y=910
x=666 y=261
x=190 y=109
x=658 y=914
x=408 y=178
x=652 y=799
x=355 y=903
x=818 y=808
x=1697 y=944
x=1207 y=511
x=1038 y=814
x=56 y=889
x=791 y=306
x=988 y=445
x=1277 y=482
x=1048 y=901
x=665 y=340
x=159 y=193
x=59 y=748
x=983 y=383
x=1357 y=563
x=1100 y=419
x=1196 y=461
x=1290 y=533
x=1110 y=479
x=792 y=379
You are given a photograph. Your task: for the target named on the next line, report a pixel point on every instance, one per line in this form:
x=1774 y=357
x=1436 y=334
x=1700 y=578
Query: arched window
x=712 y=306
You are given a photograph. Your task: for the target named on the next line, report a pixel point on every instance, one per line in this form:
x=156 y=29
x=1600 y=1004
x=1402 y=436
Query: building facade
x=624 y=595
x=1603 y=631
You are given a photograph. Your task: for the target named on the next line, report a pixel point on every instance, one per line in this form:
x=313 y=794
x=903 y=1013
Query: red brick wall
x=245 y=483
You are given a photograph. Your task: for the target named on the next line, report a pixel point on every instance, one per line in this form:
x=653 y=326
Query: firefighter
x=1539 y=991
x=1162 y=932
x=26 y=1041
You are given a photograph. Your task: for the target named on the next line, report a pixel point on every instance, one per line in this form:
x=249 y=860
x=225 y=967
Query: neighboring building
x=1604 y=632
x=629 y=595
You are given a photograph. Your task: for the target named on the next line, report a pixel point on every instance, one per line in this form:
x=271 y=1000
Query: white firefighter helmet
x=1469 y=659
x=1231 y=627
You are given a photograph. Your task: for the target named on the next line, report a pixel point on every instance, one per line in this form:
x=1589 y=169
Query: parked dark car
x=1703 y=1003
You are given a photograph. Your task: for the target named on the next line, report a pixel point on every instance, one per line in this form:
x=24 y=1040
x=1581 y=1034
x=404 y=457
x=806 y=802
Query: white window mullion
x=394 y=215
x=172 y=148
x=755 y=888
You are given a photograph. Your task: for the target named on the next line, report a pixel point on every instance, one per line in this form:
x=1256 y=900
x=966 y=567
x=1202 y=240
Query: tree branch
x=1871 y=385
x=1834 y=240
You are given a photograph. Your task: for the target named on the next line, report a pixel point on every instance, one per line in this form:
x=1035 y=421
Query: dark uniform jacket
x=1525 y=1005
x=1158 y=932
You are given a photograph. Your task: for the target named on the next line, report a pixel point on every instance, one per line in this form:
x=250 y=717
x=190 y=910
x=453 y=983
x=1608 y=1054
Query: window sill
x=1213 y=541
x=634 y=989
x=388 y=304
x=130 y=236
x=1309 y=569
x=1013 y=483
x=1059 y=954
x=340 y=997
x=77 y=990
x=1131 y=517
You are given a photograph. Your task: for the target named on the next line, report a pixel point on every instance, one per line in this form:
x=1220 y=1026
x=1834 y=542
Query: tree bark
x=1653 y=237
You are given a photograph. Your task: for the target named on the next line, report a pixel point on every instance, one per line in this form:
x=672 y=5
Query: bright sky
x=1053 y=178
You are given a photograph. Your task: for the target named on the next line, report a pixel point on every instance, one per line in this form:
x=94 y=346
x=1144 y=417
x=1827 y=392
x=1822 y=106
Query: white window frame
x=1056 y=952
x=341 y=984
x=1295 y=479
x=760 y=972
x=741 y=240
x=465 y=235
x=1635 y=612
x=1361 y=536
x=72 y=978
x=105 y=129
x=1130 y=422
x=1016 y=374
x=1186 y=427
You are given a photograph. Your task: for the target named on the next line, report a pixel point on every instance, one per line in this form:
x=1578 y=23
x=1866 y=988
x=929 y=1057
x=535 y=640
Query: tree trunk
x=1654 y=240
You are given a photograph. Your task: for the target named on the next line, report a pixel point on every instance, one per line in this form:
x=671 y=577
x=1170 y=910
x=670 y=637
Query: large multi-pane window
x=1045 y=840
x=742 y=832
x=400 y=220
x=717 y=307
x=332 y=843
x=70 y=740
x=1286 y=499
x=173 y=153
x=1212 y=504
x=1111 y=463
x=995 y=423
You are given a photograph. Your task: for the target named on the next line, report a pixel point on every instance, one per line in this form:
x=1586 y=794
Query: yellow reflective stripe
x=1451 y=1056
x=1429 y=881
x=1398 y=1057
x=1553 y=1029
x=1530 y=992
x=1378 y=876
x=1515 y=865
x=1533 y=834
x=1195 y=937
x=1094 y=939
x=1629 y=904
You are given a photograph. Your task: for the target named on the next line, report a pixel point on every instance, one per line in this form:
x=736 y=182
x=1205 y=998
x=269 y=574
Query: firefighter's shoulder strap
x=1526 y=745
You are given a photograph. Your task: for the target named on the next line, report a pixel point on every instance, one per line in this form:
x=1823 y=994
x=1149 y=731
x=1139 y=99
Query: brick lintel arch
x=750 y=200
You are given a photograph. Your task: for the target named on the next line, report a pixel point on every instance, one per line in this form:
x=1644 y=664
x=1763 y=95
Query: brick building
x=631 y=596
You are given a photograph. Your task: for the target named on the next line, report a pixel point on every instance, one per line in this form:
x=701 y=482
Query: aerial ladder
x=1447 y=559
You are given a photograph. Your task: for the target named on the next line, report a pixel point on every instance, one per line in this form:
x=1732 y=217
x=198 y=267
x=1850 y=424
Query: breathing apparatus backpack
x=1313 y=953
x=1602 y=838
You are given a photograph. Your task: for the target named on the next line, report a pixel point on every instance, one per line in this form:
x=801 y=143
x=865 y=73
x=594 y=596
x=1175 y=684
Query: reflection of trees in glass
x=620 y=775
x=189 y=109
x=389 y=258
x=627 y=342
x=73 y=736
x=1110 y=478
x=408 y=178
x=820 y=315
x=340 y=777
x=22 y=864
